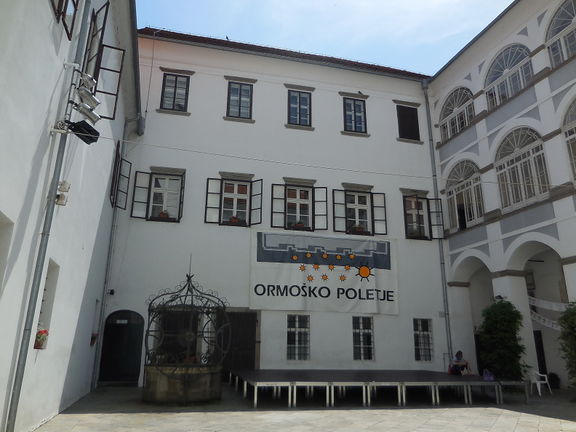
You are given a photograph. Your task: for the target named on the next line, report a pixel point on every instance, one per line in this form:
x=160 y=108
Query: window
x=158 y=196
x=359 y=212
x=422 y=339
x=354 y=115
x=299 y=108
x=120 y=180
x=298 y=337
x=423 y=218
x=408 y=127
x=570 y=134
x=561 y=35
x=457 y=113
x=464 y=196
x=175 y=92
x=233 y=202
x=239 y=100
x=509 y=73
x=521 y=168
x=299 y=207
x=66 y=9
x=92 y=55
x=363 y=338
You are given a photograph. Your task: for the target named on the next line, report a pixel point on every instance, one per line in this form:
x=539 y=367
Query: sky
x=416 y=35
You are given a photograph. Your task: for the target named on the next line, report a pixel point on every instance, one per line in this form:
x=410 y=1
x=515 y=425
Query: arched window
x=570 y=134
x=521 y=168
x=464 y=193
x=561 y=35
x=457 y=113
x=509 y=73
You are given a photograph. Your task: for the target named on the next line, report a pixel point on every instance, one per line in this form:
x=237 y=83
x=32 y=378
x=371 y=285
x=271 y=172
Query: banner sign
x=309 y=273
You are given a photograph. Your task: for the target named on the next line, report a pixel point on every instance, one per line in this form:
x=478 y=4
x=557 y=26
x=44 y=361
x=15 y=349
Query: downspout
x=440 y=241
x=42 y=248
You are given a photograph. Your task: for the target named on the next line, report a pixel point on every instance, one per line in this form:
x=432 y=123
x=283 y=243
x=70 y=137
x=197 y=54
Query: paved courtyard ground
x=116 y=409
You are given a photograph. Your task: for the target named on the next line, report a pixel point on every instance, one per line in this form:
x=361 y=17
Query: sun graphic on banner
x=342 y=278
x=308 y=255
x=316 y=267
x=294 y=257
x=351 y=256
x=302 y=267
x=324 y=277
x=310 y=278
x=338 y=257
x=347 y=267
x=325 y=255
x=364 y=272
x=331 y=267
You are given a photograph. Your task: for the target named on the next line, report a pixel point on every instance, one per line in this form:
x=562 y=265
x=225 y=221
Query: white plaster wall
x=150 y=256
x=33 y=83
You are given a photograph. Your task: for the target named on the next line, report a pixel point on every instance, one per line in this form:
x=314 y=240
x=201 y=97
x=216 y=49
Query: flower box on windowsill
x=41 y=339
x=299 y=226
x=235 y=221
x=358 y=230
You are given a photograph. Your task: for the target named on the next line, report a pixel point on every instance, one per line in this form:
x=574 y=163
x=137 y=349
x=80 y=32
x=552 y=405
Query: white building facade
x=504 y=112
x=300 y=188
x=44 y=49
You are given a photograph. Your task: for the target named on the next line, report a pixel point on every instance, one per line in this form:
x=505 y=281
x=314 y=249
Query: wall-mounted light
x=61 y=199
x=87 y=97
x=84 y=131
x=87 y=81
x=86 y=111
x=63 y=186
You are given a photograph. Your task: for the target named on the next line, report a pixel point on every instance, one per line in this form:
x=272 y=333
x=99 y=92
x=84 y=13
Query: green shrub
x=500 y=349
x=567 y=339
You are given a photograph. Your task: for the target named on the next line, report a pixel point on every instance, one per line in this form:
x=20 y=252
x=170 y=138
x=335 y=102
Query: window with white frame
x=521 y=168
x=363 y=338
x=299 y=207
x=457 y=113
x=354 y=115
x=359 y=212
x=464 y=196
x=298 y=337
x=423 y=218
x=231 y=201
x=510 y=72
x=422 y=339
x=158 y=196
x=570 y=134
x=561 y=35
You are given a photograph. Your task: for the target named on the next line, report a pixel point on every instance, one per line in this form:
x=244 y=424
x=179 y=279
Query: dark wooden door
x=242 y=352
x=122 y=347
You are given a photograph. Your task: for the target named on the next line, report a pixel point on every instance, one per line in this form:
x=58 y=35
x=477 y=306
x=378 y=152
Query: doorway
x=242 y=352
x=122 y=348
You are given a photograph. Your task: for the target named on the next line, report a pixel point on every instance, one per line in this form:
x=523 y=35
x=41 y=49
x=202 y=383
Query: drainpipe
x=42 y=248
x=440 y=241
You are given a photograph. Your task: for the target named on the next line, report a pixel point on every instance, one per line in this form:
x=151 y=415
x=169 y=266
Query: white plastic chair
x=538 y=379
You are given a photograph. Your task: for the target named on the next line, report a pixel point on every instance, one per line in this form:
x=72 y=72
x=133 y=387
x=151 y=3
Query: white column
x=570 y=276
x=513 y=289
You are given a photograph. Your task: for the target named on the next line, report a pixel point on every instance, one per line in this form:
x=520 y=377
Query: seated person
x=459 y=364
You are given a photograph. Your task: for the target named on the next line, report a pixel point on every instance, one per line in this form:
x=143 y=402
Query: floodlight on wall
x=83 y=131
x=86 y=110
x=87 y=97
x=61 y=199
x=87 y=81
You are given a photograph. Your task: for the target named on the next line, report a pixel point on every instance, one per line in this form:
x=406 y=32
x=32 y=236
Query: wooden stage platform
x=368 y=380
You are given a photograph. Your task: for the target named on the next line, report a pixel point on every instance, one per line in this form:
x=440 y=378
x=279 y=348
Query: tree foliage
x=500 y=347
x=567 y=339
